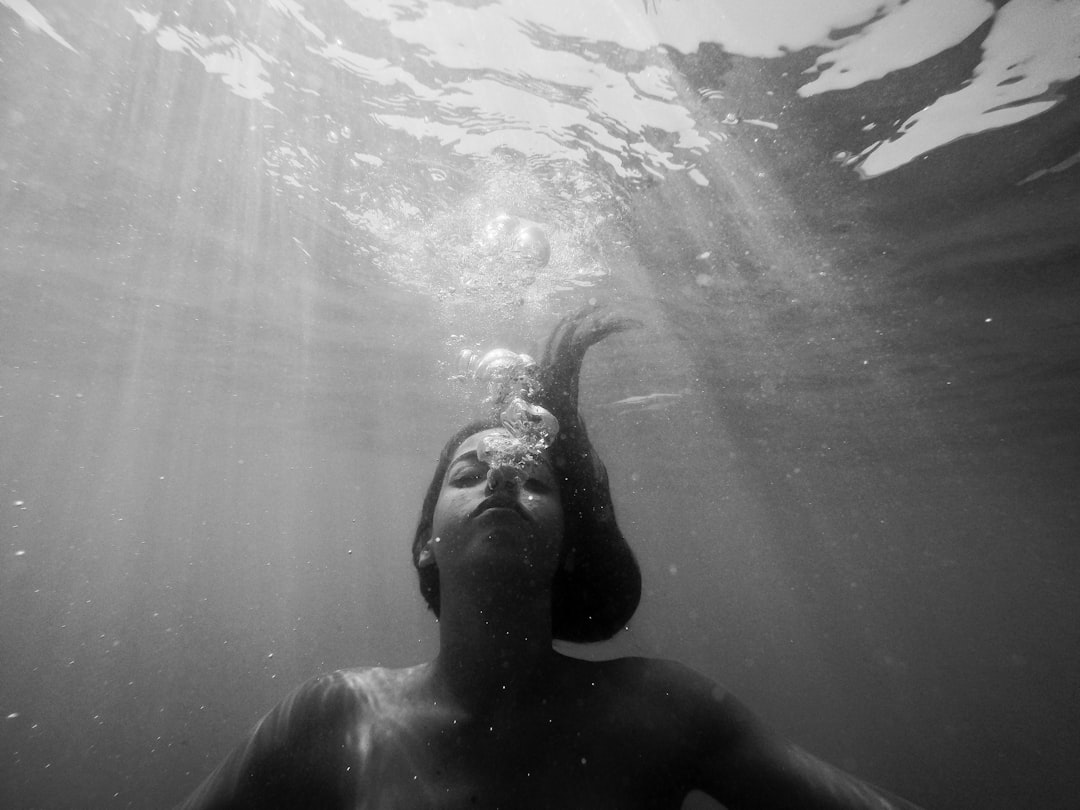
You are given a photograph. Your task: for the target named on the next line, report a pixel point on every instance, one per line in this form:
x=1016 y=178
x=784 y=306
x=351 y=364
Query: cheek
x=551 y=517
x=441 y=517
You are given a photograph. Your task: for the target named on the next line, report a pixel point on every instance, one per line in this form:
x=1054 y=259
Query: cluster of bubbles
x=511 y=380
x=526 y=243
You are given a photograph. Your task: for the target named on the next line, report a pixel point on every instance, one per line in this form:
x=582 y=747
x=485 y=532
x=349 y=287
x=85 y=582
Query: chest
x=583 y=756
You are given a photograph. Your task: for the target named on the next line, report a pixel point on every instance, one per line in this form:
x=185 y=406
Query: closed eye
x=466 y=476
x=538 y=485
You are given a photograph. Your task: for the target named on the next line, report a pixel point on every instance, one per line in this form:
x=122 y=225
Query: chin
x=512 y=547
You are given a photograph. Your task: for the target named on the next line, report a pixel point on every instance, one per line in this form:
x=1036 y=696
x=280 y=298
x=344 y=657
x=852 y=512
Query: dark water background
x=223 y=384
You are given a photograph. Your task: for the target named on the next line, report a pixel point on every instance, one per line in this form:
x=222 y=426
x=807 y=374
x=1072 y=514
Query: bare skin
x=499 y=719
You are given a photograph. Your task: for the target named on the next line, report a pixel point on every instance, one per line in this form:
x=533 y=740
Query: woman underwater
x=516 y=546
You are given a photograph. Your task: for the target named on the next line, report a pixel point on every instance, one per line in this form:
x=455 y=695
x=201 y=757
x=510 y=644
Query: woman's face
x=490 y=514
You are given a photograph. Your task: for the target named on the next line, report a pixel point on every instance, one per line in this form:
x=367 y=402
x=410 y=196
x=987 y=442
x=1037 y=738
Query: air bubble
x=532 y=247
x=511 y=381
x=532 y=422
x=499 y=361
x=501 y=227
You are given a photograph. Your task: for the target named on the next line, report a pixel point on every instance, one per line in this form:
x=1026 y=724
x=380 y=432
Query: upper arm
x=741 y=762
x=295 y=756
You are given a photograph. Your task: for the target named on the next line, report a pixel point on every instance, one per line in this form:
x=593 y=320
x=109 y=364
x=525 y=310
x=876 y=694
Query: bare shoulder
x=301 y=747
x=659 y=677
x=711 y=713
x=733 y=755
x=342 y=697
x=655 y=693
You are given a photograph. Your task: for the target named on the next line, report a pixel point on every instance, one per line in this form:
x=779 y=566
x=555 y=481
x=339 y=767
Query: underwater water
x=244 y=244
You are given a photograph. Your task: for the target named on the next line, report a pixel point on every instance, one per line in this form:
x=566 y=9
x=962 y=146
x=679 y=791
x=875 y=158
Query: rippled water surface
x=243 y=245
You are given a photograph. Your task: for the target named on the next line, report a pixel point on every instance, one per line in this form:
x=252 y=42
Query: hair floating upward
x=598 y=584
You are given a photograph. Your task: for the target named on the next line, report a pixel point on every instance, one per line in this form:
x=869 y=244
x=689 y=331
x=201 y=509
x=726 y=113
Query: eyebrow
x=469 y=456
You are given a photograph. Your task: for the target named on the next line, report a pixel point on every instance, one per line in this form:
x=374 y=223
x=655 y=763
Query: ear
x=426 y=556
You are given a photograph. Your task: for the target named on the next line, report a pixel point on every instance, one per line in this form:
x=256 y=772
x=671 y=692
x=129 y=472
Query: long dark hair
x=598 y=584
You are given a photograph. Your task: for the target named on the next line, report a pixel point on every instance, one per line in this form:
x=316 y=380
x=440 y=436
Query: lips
x=501 y=502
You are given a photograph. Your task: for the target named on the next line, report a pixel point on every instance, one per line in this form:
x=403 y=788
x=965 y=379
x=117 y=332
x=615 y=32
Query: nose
x=505 y=478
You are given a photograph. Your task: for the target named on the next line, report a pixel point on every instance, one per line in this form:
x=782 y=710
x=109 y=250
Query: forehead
x=471 y=445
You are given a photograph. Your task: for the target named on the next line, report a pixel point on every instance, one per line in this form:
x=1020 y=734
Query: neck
x=494 y=647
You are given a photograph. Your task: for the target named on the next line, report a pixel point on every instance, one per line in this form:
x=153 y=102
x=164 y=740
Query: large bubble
x=511 y=380
x=531 y=429
x=531 y=247
x=506 y=373
x=501 y=228
x=524 y=244
x=526 y=420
